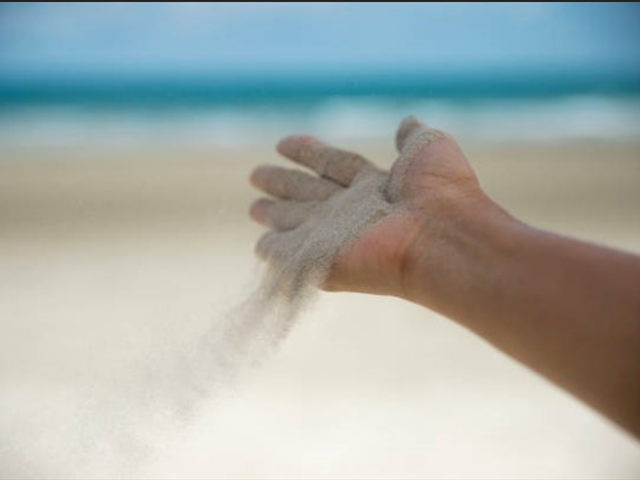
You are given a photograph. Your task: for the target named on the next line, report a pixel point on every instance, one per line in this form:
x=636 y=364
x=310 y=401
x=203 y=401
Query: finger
x=281 y=215
x=406 y=128
x=292 y=184
x=411 y=139
x=341 y=166
x=413 y=135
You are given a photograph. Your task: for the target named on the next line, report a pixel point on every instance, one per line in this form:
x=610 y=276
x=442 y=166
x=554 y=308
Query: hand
x=427 y=233
x=427 y=193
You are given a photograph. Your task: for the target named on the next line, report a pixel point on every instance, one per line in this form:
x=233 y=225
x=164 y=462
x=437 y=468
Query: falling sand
x=350 y=195
x=117 y=425
x=298 y=262
x=322 y=217
x=172 y=386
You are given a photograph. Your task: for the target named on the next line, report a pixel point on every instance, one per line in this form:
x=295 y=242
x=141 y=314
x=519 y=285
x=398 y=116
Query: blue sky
x=140 y=39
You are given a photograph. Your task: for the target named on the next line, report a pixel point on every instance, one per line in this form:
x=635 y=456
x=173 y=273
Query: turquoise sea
x=226 y=109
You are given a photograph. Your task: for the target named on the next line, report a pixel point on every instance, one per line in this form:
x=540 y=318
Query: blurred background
x=127 y=132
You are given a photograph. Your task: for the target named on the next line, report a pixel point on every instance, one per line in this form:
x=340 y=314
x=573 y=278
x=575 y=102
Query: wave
x=336 y=119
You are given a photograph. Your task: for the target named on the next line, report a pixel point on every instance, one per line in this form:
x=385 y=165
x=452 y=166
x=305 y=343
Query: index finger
x=329 y=162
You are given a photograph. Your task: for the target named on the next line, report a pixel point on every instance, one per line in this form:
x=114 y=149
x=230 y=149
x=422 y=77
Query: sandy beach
x=112 y=258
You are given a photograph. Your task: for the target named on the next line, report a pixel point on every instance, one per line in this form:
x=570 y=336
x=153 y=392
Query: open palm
x=418 y=197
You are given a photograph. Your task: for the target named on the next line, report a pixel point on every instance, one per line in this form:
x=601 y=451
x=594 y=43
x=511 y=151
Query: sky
x=41 y=40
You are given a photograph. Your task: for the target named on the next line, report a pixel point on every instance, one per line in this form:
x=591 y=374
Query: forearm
x=567 y=309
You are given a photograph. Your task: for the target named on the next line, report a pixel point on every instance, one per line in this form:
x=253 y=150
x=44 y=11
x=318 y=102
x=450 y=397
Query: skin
x=567 y=309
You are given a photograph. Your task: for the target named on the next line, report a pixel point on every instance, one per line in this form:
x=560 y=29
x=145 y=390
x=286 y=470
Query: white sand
x=113 y=267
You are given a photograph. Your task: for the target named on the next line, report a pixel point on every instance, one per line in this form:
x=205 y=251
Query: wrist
x=455 y=256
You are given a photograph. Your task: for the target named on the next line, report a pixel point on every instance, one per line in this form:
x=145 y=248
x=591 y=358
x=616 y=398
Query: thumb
x=405 y=132
x=412 y=136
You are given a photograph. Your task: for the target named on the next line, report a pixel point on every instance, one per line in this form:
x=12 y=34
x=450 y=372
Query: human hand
x=424 y=231
x=366 y=227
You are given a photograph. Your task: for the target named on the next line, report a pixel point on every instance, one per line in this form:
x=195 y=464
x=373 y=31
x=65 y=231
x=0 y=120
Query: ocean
x=258 y=108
